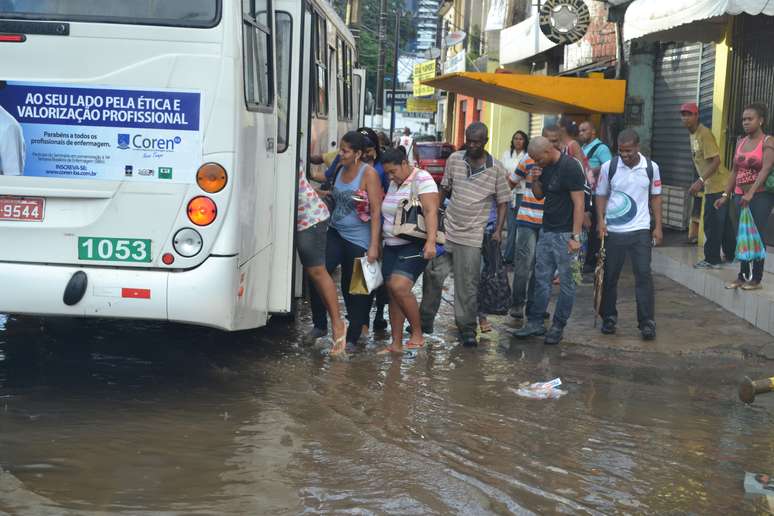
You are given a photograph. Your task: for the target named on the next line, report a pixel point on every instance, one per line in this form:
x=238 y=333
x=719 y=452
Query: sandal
x=339 y=344
x=737 y=283
x=412 y=346
x=485 y=326
x=752 y=286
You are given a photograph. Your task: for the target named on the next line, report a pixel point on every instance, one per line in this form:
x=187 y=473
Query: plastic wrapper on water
x=541 y=390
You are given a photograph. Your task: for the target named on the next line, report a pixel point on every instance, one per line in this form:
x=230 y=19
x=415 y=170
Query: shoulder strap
x=649 y=171
x=611 y=172
x=414 y=188
x=593 y=150
x=335 y=175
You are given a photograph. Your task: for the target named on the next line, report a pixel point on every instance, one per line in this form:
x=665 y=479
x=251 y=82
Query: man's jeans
x=638 y=244
x=523 y=288
x=717 y=230
x=465 y=262
x=552 y=254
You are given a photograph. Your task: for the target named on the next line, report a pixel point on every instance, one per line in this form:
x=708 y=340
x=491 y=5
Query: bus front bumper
x=203 y=296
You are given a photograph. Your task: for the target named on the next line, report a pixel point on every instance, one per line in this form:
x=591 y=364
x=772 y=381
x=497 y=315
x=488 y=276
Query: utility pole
x=378 y=123
x=395 y=72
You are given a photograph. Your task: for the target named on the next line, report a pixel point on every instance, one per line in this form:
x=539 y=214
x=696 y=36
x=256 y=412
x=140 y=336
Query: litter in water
x=758 y=484
x=541 y=390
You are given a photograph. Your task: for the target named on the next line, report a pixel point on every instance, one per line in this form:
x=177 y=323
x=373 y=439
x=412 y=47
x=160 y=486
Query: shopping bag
x=749 y=245
x=366 y=277
x=494 y=290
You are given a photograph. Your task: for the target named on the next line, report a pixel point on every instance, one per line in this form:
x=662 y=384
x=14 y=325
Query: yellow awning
x=538 y=93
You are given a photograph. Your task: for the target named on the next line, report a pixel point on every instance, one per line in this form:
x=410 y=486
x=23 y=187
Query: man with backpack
x=596 y=153
x=629 y=188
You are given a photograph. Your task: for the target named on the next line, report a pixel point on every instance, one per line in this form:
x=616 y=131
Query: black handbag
x=494 y=290
x=410 y=221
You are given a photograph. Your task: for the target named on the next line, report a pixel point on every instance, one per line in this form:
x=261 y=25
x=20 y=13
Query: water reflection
x=143 y=418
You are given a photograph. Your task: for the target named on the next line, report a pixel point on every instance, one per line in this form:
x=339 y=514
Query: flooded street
x=135 y=418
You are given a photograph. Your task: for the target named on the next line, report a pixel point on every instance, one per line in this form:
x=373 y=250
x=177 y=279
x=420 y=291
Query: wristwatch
x=701 y=179
x=576 y=237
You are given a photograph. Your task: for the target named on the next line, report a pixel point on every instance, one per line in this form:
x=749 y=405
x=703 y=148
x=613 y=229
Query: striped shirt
x=396 y=194
x=531 y=209
x=471 y=197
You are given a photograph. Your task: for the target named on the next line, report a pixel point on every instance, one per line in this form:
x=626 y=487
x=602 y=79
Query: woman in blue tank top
x=349 y=237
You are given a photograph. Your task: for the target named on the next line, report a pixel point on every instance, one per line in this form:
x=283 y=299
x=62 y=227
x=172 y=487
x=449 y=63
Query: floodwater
x=131 y=418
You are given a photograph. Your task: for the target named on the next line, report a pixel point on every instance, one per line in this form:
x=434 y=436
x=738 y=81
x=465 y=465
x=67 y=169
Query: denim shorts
x=403 y=260
x=310 y=244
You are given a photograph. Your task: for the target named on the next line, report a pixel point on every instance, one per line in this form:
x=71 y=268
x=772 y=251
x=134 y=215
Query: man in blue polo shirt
x=597 y=153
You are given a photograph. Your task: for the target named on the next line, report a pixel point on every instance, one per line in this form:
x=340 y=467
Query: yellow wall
x=502 y=123
x=720 y=90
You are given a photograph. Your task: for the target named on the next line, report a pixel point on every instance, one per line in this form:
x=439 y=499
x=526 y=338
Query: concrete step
x=756 y=307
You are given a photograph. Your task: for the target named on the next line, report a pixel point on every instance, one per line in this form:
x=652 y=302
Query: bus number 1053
x=114 y=249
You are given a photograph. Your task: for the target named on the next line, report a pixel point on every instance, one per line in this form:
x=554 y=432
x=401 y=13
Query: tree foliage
x=368 y=40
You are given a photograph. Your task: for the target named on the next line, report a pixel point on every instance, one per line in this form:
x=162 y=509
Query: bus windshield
x=179 y=13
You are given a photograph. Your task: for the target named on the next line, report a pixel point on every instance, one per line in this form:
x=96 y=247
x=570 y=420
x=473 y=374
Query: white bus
x=149 y=151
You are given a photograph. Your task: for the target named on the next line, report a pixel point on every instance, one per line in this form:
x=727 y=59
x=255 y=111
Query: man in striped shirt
x=473 y=179
x=528 y=221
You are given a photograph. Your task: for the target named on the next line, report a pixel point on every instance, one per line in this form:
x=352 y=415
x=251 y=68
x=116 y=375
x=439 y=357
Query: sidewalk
x=756 y=307
x=688 y=324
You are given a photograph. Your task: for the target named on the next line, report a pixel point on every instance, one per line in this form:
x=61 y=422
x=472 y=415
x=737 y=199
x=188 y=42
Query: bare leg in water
x=403 y=305
x=327 y=290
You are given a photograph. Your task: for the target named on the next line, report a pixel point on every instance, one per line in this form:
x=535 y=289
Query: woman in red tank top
x=753 y=160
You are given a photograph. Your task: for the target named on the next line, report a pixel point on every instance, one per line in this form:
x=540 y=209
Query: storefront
x=684 y=73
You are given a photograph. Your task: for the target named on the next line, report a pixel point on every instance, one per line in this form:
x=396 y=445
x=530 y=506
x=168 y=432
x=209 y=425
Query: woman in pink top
x=753 y=160
x=404 y=260
x=311 y=235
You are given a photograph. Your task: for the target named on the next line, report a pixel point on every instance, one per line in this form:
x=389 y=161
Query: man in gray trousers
x=473 y=180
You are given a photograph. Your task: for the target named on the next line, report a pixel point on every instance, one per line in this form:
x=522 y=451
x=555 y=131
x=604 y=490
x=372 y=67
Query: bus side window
x=341 y=102
x=259 y=94
x=284 y=38
x=348 y=81
x=320 y=70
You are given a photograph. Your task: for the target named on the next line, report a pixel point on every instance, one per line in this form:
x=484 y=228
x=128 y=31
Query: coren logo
x=146 y=143
x=123 y=141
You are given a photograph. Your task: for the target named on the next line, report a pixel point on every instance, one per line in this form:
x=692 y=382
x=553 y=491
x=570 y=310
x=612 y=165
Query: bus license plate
x=22 y=208
x=114 y=249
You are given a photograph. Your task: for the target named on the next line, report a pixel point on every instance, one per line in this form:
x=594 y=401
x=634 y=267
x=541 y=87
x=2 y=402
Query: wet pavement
x=113 y=417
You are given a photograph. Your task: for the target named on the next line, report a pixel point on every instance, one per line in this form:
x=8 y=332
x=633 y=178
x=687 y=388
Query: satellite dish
x=453 y=38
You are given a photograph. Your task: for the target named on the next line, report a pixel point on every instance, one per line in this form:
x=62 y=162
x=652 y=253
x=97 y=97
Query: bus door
x=292 y=65
x=359 y=93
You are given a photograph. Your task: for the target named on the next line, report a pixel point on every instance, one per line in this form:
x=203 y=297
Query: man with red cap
x=713 y=177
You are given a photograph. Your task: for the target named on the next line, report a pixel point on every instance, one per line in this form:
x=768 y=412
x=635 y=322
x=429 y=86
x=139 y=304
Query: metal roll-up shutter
x=677 y=81
x=707 y=83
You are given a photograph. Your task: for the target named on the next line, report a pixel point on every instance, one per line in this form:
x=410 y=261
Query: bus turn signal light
x=211 y=177
x=202 y=211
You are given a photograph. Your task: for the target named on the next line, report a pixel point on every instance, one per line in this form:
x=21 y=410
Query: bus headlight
x=211 y=177
x=187 y=242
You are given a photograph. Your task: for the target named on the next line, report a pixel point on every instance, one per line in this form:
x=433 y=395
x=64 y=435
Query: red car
x=431 y=156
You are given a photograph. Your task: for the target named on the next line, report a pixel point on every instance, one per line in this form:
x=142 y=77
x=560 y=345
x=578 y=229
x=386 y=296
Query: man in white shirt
x=11 y=145
x=407 y=142
x=629 y=187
